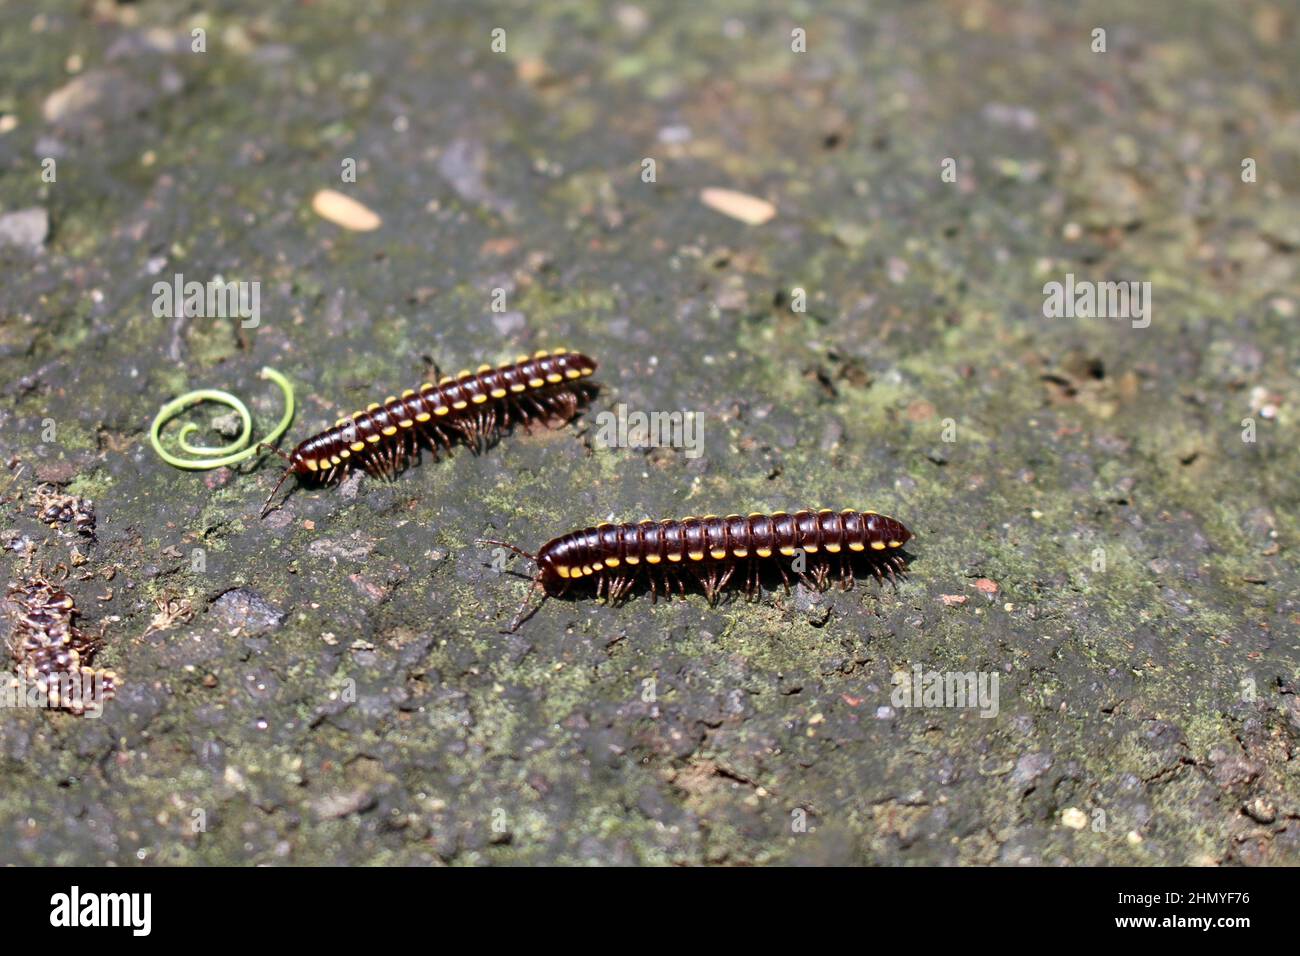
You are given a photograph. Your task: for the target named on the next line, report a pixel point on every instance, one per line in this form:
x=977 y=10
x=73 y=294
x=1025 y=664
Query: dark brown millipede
x=50 y=651
x=712 y=549
x=474 y=406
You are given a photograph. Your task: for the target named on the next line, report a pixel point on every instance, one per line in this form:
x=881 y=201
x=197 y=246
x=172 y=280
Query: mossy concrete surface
x=1106 y=514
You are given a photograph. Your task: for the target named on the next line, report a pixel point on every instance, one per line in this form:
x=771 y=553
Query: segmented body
x=472 y=406
x=49 y=650
x=811 y=545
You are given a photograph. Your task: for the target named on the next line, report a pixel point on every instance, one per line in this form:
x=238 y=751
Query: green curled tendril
x=231 y=454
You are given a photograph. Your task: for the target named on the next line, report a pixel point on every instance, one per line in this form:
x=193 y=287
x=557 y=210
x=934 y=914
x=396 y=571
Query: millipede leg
x=568 y=403
x=392 y=461
x=785 y=578
x=708 y=582
x=619 y=588
x=726 y=576
x=369 y=460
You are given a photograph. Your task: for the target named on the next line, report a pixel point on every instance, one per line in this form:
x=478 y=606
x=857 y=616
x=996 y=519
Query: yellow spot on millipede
x=372 y=406
x=485 y=368
x=498 y=393
x=405 y=423
x=611 y=562
x=788 y=552
x=517 y=387
x=459 y=405
x=423 y=417
x=857 y=546
x=372 y=438
x=697 y=555
x=810 y=548
x=717 y=554
x=390 y=430
x=408 y=393
x=464 y=373
x=555 y=377
x=674 y=557
x=535 y=383
x=878 y=545
x=441 y=410
x=764 y=552
x=540 y=353
x=895 y=544
x=652 y=559
x=562 y=570
x=572 y=373
x=559 y=351
x=478 y=399
x=740 y=553
x=310 y=463
x=833 y=549
x=630 y=559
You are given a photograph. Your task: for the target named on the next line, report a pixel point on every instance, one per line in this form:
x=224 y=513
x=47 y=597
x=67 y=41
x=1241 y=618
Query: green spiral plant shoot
x=240 y=449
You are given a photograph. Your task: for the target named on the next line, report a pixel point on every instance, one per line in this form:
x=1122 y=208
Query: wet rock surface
x=1106 y=512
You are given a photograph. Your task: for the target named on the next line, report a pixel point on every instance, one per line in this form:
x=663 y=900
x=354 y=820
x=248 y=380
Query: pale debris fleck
x=748 y=209
x=344 y=211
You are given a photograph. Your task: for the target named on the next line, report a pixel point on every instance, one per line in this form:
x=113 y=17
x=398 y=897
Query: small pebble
x=25 y=229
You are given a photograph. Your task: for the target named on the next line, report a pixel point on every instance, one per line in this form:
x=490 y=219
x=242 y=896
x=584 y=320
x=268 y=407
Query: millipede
x=50 y=651
x=475 y=407
x=711 y=550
